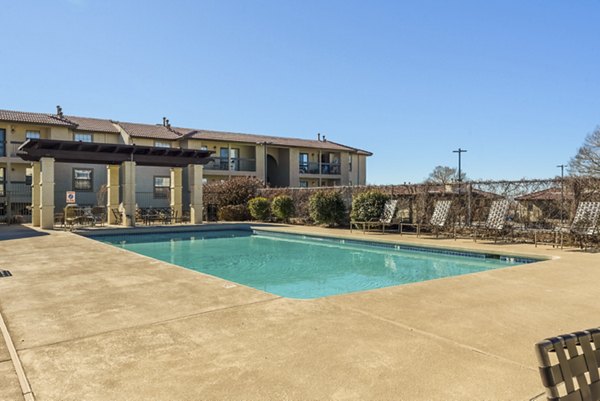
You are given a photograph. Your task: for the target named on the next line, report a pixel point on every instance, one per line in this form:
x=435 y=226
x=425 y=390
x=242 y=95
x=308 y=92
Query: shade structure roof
x=111 y=153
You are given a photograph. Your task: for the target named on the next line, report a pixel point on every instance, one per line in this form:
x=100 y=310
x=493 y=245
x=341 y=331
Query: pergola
x=43 y=153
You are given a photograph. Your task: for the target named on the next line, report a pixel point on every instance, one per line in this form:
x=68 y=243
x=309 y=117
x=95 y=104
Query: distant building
x=279 y=161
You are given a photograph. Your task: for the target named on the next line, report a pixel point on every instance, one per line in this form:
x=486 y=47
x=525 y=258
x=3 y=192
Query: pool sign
x=70 y=196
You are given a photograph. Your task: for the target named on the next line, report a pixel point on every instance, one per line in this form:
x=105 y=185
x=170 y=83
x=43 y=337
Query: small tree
x=259 y=208
x=444 y=175
x=587 y=159
x=368 y=205
x=327 y=207
x=283 y=207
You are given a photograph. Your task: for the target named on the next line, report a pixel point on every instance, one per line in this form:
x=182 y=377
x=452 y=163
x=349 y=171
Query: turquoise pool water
x=297 y=266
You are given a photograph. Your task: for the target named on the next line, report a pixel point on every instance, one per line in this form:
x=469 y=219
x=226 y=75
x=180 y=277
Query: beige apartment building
x=279 y=161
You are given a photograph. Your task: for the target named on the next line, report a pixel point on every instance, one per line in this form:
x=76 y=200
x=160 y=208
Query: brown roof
x=93 y=124
x=149 y=131
x=552 y=194
x=34 y=118
x=161 y=132
x=253 y=138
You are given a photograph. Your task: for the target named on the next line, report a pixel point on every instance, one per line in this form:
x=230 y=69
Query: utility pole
x=562 y=193
x=459 y=151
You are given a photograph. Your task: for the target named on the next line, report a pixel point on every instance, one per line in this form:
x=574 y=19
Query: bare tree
x=587 y=159
x=444 y=175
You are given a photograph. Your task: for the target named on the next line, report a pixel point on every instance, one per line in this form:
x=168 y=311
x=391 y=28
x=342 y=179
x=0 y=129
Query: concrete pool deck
x=94 y=322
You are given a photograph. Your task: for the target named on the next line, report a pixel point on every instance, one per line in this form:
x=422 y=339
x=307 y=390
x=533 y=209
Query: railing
x=15 y=202
x=12 y=148
x=234 y=164
x=309 y=168
x=330 y=168
x=326 y=168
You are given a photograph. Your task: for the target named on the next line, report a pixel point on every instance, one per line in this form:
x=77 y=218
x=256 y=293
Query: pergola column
x=112 y=192
x=35 y=193
x=128 y=210
x=176 y=191
x=47 y=193
x=195 y=173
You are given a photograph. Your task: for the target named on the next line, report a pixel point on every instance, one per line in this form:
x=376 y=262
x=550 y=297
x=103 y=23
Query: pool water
x=297 y=266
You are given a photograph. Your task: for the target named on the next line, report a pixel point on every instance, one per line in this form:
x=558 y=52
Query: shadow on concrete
x=17 y=232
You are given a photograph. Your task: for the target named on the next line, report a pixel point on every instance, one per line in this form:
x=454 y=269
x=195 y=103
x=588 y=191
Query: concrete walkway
x=94 y=322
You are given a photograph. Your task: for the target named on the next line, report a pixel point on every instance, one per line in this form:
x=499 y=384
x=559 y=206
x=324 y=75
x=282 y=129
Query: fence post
x=8 y=208
x=469 y=200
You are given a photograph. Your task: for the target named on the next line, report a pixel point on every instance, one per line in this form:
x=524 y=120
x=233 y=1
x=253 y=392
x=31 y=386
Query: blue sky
x=516 y=83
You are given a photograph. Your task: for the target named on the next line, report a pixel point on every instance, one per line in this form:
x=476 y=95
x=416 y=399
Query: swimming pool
x=300 y=266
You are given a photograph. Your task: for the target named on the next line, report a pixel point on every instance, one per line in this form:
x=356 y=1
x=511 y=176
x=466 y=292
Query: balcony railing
x=326 y=168
x=10 y=149
x=309 y=168
x=234 y=164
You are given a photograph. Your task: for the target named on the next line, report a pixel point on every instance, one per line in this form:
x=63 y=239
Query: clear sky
x=516 y=83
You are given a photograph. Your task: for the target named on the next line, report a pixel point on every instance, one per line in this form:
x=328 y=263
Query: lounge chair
x=117 y=215
x=99 y=213
x=586 y=223
x=496 y=221
x=569 y=366
x=440 y=216
x=388 y=218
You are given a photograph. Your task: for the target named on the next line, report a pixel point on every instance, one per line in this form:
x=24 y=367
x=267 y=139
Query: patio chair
x=586 y=223
x=117 y=215
x=388 y=218
x=496 y=221
x=569 y=366
x=99 y=214
x=72 y=216
x=439 y=217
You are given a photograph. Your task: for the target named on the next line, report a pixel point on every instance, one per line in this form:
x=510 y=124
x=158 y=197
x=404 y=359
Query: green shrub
x=327 y=207
x=259 y=208
x=368 y=205
x=283 y=207
x=233 y=213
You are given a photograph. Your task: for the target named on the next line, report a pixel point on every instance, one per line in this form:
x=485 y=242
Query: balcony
x=225 y=164
x=326 y=168
x=9 y=149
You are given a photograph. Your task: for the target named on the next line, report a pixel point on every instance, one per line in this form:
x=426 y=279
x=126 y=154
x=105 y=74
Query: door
x=2 y=142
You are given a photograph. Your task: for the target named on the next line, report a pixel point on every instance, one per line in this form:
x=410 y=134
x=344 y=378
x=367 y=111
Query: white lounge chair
x=388 y=218
x=496 y=221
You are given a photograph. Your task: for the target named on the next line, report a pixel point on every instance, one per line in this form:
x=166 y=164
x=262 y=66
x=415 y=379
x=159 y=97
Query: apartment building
x=279 y=161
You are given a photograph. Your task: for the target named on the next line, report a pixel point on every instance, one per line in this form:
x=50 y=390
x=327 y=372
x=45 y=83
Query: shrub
x=327 y=207
x=233 y=213
x=259 y=208
x=283 y=207
x=235 y=191
x=368 y=205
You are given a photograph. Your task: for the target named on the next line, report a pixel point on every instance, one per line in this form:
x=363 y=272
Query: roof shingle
x=253 y=138
x=34 y=118
x=148 y=131
x=93 y=124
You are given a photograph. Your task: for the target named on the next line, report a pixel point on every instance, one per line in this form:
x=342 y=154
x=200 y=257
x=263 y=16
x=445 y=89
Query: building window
x=303 y=184
x=303 y=163
x=162 y=187
x=229 y=159
x=28 y=175
x=32 y=135
x=2 y=182
x=2 y=142
x=79 y=137
x=350 y=162
x=160 y=144
x=83 y=179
